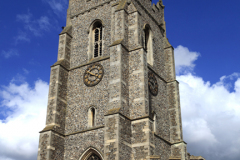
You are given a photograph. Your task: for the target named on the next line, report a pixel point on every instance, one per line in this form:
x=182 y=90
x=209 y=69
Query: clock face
x=152 y=84
x=93 y=74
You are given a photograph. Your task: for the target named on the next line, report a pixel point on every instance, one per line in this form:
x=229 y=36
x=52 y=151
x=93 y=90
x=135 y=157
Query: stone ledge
x=163 y=139
x=153 y=157
x=113 y=111
x=66 y=30
x=179 y=142
x=174 y=158
x=51 y=127
x=121 y=5
x=196 y=158
x=47 y=128
x=117 y=111
x=91 y=61
x=117 y=42
x=151 y=68
x=61 y=63
x=86 y=130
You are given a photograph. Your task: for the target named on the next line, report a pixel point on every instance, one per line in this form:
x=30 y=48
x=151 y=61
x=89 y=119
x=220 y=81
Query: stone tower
x=113 y=93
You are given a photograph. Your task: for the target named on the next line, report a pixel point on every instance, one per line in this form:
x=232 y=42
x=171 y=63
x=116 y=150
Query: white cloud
x=184 y=59
x=44 y=23
x=36 y=26
x=10 y=53
x=25 y=71
x=25 y=112
x=22 y=36
x=58 y=6
x=210 y=115
x=210 y=112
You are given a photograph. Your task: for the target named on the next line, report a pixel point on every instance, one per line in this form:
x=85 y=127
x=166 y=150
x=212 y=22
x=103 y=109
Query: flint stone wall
x=77 y=144
x=81 y=98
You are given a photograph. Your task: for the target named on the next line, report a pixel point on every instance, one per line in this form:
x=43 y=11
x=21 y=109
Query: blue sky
x=205 y=35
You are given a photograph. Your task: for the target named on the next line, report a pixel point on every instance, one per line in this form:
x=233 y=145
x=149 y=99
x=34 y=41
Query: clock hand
x=90 y=73
x=96 y=75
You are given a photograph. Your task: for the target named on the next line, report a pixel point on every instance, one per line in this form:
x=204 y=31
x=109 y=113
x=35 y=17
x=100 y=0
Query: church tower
x=113 y=93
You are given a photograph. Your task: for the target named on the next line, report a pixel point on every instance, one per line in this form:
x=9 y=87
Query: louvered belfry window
x=98 y=40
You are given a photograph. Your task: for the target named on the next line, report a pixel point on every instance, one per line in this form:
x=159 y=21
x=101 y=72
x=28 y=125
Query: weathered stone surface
x=118 y=118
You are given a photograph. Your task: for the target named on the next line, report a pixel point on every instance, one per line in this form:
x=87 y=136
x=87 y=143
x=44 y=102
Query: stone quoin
x=113 y=93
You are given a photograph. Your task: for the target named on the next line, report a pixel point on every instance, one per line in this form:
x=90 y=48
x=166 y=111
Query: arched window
x=154 y=122
x=91 y=154
x=91 y=117
x=94 y=157
x=97 y=38
x=148 y=44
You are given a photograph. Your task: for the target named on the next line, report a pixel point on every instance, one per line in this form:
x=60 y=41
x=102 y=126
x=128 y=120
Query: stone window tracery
x=96 y=34
x=97 y=30
x=94 y=157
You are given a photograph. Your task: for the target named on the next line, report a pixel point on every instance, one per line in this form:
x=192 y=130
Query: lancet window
x=91 y=117
x=97 y=32
x=148 y=44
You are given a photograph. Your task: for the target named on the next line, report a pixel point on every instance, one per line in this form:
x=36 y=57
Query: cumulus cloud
x=210 y=112
x=10 y=53
x=24 y=110
x=35 y=26
x=184 y=59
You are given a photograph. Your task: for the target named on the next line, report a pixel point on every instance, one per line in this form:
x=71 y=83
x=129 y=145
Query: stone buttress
x=118 y=118
x=51 y=144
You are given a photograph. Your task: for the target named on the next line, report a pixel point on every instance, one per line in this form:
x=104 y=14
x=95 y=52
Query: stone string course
x=124 y=128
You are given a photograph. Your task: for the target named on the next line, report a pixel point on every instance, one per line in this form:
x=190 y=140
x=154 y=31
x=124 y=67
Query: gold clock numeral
x=94 y=71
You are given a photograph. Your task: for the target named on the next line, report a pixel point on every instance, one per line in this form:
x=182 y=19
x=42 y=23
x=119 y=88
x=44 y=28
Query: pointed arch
x=90 y=153
x=148 y=43
x=95 y=39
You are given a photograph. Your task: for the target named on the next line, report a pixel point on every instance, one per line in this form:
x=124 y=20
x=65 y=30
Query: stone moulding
x=90 y=62
x=50 y=128
x=66 y=30
x=150 y=68
x=153 y=157
x=85 y=64
x=163 y=139
x=86 y=130
x=89 y=152
x=61 y=63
